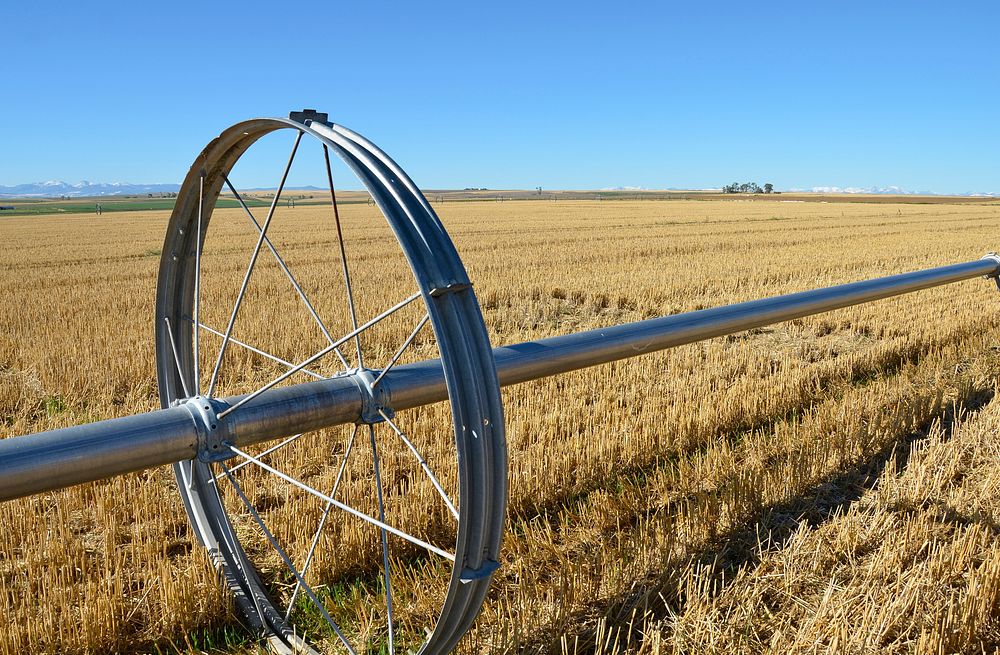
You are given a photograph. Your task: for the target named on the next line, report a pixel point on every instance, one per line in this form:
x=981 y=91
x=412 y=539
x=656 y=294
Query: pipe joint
x=374 y=399
x=995 y=275
x=213 y=433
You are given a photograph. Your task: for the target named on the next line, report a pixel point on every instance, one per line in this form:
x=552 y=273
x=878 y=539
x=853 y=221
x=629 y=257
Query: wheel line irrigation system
x=201 y=435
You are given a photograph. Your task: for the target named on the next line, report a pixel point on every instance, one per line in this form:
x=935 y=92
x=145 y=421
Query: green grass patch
x=54 y=405
x=221 y=639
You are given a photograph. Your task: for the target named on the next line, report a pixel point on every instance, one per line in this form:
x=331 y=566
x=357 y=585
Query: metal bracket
x=454 y=287
x=485 y=570
x=212 y=433
x=996 y=276
x=373 y=401
x=307 y=116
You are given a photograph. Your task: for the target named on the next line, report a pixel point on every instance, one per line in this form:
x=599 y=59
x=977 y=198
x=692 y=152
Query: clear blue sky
x=516 y=95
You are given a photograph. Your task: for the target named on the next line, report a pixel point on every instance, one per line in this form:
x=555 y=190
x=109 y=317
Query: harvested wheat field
x=822 y=485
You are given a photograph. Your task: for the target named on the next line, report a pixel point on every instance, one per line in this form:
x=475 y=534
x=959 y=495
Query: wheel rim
x=475 y=484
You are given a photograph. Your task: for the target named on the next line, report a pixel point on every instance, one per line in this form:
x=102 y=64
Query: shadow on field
x=768 y=530
x=858 y=375
x=822 y=502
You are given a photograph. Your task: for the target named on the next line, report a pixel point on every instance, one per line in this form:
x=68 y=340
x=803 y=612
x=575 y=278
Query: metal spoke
x=264 y=454
x=322 y=521
x=399 y=353
x=347 y=508
x=343 y=257
x=288 y=273
x=385 y=536
x=250 y=266
x=302 y=365
x=187 y=477
x=177 y=359
x=423 y=463
x=273 y=358
x=197 y=285
x=284 y=556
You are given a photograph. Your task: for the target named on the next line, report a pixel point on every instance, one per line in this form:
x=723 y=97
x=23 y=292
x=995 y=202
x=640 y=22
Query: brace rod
x=55 y=459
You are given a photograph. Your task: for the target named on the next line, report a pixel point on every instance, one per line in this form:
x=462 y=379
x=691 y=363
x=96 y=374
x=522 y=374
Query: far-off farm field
x=827 y=484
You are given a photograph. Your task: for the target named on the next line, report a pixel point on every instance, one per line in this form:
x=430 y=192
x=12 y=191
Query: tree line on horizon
x=748 y=187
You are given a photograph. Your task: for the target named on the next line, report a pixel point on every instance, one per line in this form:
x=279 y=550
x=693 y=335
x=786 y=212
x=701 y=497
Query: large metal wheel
x=393 y=528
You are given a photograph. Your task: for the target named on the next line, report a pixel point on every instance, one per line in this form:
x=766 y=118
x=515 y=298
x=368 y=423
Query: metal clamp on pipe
x=374 y=401
x=995 y=275
x=212 y=432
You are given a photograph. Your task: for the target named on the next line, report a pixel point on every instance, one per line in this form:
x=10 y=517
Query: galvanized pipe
x=45 y=461
x=420 y=384
x=59 y=458
x=530 y=361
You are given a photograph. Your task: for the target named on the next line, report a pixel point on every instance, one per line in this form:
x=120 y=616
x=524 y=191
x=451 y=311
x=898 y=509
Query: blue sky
x=516 y=95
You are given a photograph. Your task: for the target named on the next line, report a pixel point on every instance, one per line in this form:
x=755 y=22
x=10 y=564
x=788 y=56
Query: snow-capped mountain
x=57 y=188
x=888 y=190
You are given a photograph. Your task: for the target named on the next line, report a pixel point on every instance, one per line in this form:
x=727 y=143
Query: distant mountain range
x=57 y=188
x=878 y=190
x=889 y=190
